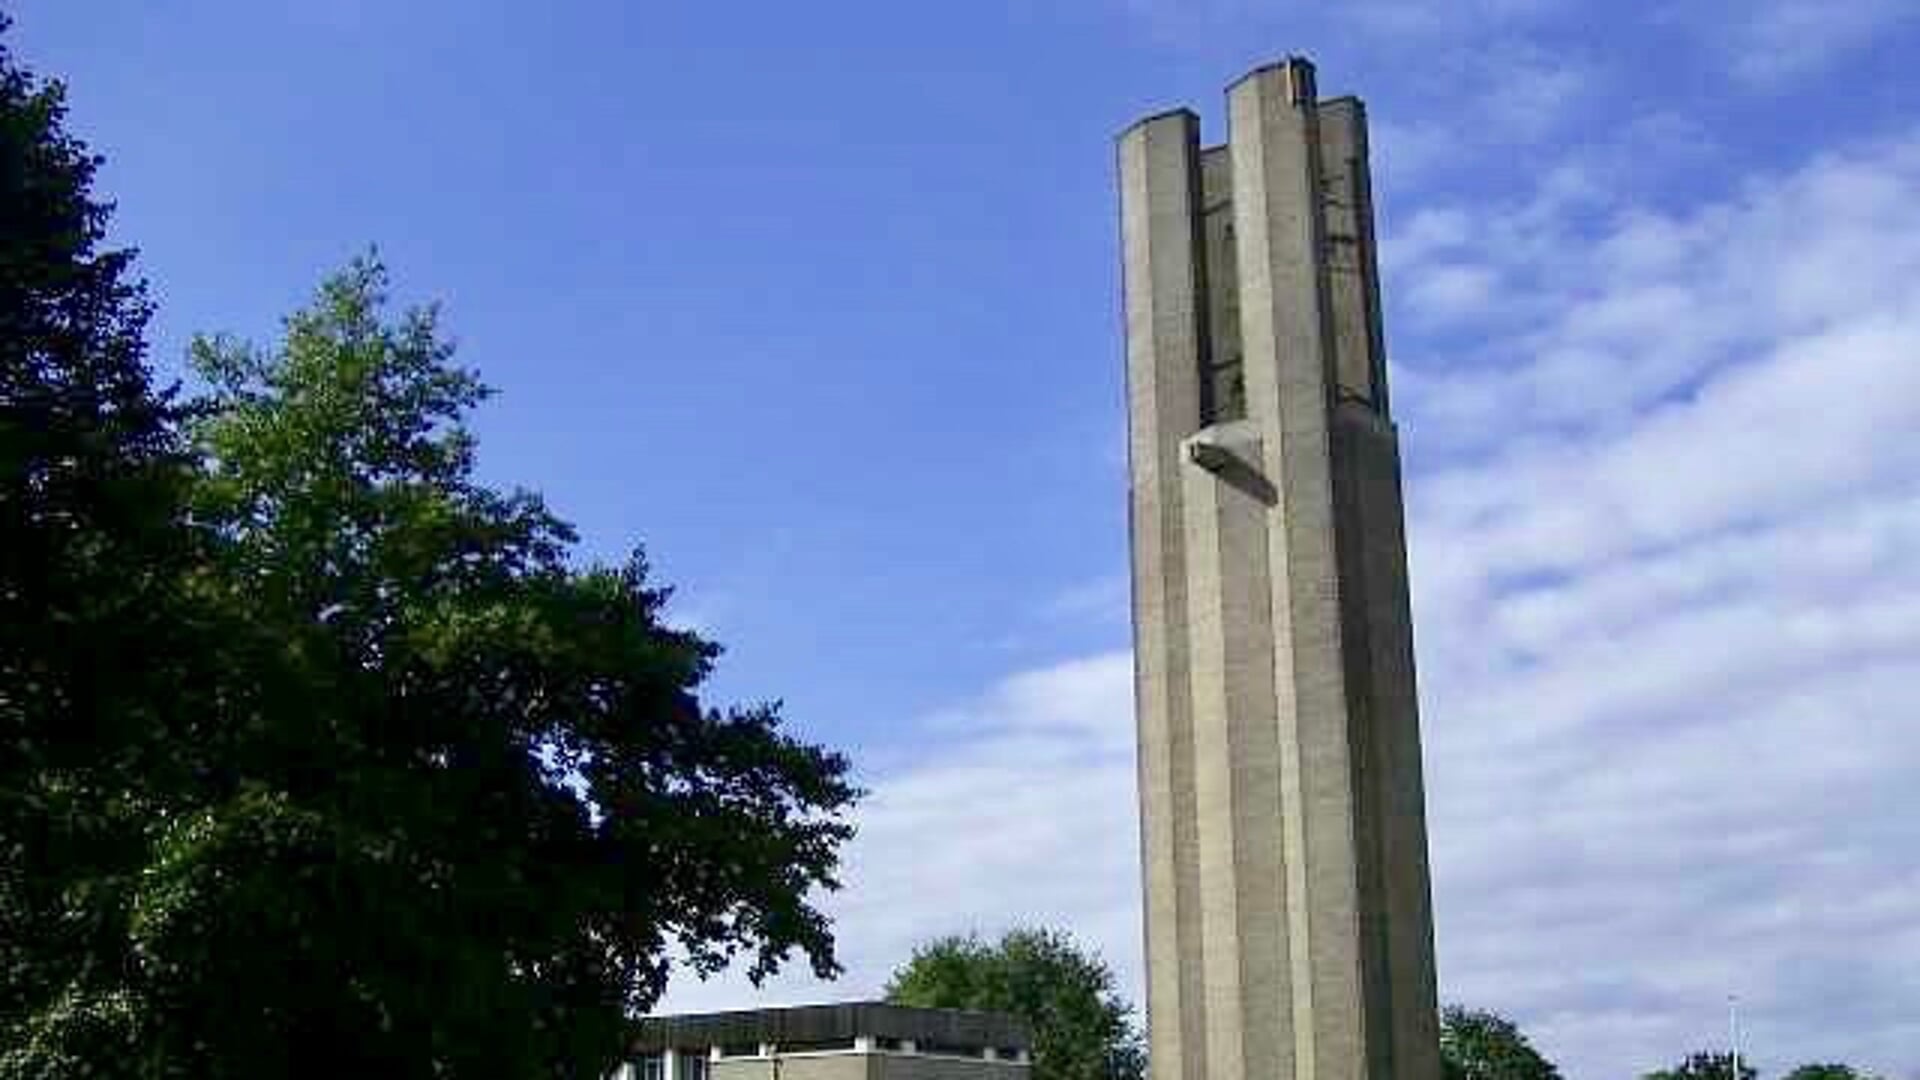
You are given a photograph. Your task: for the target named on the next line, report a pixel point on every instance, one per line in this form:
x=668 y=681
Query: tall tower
x=1289 y=926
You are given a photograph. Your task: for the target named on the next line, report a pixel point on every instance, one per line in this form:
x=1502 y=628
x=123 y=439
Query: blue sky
x=820 y=303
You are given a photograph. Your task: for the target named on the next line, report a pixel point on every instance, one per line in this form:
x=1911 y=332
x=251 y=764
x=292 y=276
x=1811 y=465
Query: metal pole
x=1733 y=1031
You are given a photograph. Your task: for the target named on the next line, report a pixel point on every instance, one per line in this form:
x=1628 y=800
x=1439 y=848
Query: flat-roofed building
x=866 y=1040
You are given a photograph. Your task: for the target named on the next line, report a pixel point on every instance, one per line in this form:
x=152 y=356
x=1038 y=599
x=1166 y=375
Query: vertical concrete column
x=1396 y=924
x=1161 y=264
x=1236 y=756
x=1284 y=324
x=1352 y=268
x=1390 y=834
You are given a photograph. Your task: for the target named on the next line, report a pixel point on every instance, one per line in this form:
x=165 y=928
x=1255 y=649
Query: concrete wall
x=848 y=1066
x=866 y=1066
x=930 y=1067
x=1159 y=179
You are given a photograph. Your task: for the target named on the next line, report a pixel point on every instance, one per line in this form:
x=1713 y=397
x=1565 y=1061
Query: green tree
x=470 y=797
x=1082 y=1028
x=312 y=747
x=1705 y=1065
x=1478 y=1045
x=1828 y=1071
x=95 y=649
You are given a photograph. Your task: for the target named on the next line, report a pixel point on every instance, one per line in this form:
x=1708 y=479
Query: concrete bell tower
x=1289 y=925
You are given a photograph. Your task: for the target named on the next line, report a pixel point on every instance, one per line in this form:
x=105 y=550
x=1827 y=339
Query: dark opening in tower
x=1223 y=386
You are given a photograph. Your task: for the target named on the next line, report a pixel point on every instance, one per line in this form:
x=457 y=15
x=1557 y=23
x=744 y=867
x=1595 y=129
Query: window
x=652 y=1067
x=694 y=1065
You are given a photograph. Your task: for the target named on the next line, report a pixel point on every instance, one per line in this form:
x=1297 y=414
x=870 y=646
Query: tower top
x=1296 y=73
x=1293 y=77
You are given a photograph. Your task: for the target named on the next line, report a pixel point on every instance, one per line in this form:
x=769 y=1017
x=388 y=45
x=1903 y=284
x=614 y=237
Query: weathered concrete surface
x=1158 y=174
x=1284 y=846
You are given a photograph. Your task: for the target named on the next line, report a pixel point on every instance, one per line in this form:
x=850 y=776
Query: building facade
x=1289 y=931
x=851 y=1041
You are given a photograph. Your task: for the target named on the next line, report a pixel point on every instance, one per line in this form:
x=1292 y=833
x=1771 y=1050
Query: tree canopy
x=1705 y=1065
x=1828 y=1071
x=308 y=738
x=99 y=673
x=501 y=761
x=1082 y=1028
x=1478 y=1045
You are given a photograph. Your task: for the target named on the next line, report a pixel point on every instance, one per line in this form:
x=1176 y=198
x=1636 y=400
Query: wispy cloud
x=1456 y=109
x=1760 y=42
x=1410 y=21
x=1770 y=41
x=1102 y=600
x=1665 y=526
x=1666 y=531
x=1017 y=807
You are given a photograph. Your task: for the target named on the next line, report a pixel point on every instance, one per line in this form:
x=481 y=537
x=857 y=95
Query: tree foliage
x=310 y=739
x=494 y=765
x=1082 y=1028
x=1705 y=1065
x=97 y=658
x=1828 y=1071
x=1478 y=1045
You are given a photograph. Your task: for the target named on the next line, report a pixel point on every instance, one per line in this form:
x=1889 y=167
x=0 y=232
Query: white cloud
x=1014 y=808
x=1667 y=573
x=1666 y=530
x=1428 y=234
x=1102 y=600
x=1599 y=327
x=697 y=616
x=1422 y=21
x=1764 y=43
x=1449 y=292
x=1458 y=108
x=1528 y=93
x=1415 y=21
x=1771 y=41
x=1403 y=152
